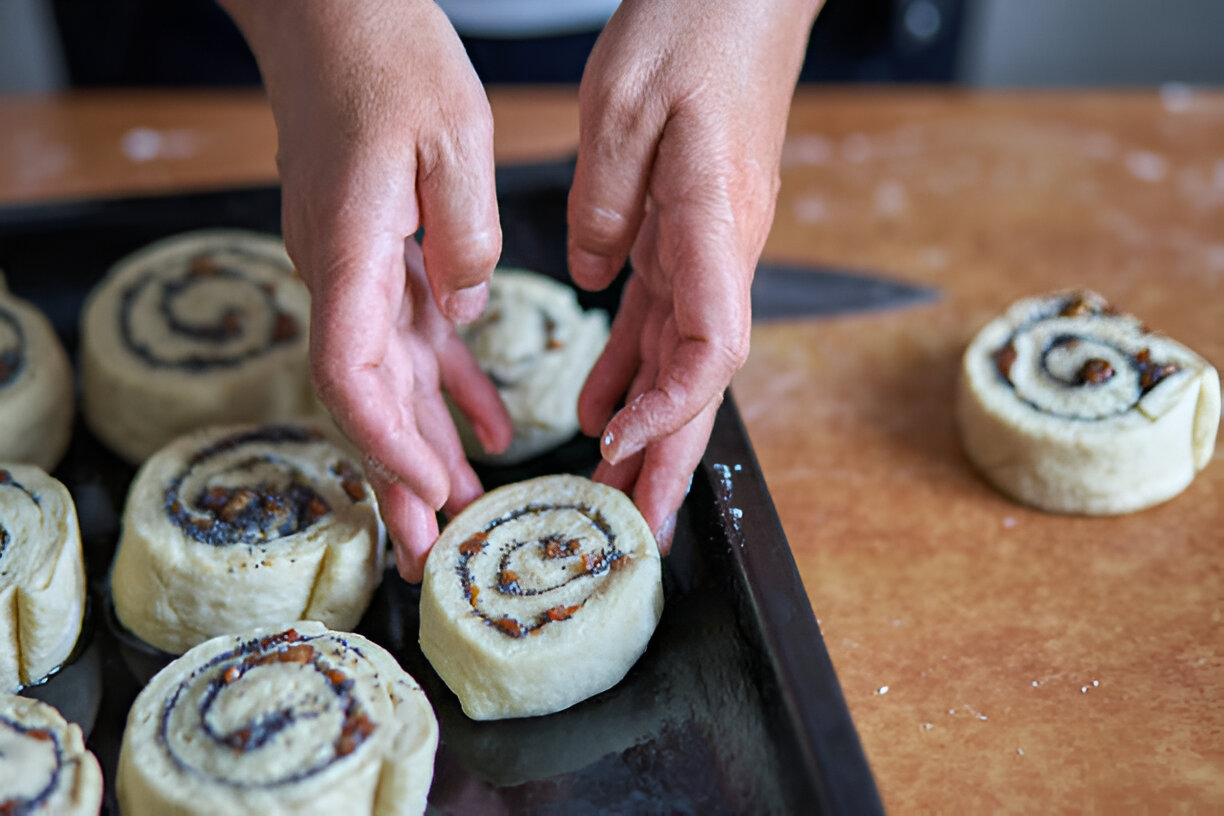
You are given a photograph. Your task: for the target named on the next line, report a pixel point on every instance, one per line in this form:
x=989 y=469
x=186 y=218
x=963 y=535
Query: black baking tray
x=735 y=706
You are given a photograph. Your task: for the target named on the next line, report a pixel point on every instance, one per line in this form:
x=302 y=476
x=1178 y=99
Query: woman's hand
x=384 y=129
x=683 y=110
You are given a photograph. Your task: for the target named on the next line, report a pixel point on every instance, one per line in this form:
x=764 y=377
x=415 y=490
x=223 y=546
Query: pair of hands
x=384 y=127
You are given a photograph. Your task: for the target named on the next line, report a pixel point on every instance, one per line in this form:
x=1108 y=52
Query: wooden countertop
x=994 y=658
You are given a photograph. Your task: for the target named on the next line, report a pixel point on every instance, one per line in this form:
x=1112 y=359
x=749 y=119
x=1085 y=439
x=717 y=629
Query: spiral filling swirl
x=519 y=581
x=1080 y=360
x=7 y=480
x=225 y=496
x=12 y=348
x=37 y=762
x=211 y=314
x=273 y=711
x=542 y=330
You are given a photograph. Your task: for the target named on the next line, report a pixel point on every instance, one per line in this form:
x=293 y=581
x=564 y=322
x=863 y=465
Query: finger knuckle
x=617 y=102
x=464 y=136
x=471 y=256
x=730 y=352
x=598 y=229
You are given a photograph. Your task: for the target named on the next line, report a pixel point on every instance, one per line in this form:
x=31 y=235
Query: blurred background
x=48 y=45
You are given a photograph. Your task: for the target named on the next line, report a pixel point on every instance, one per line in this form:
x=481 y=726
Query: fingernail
x=410 y=569
x=588 y=269
x=465 y=305
x=666 y=533
x=605 y=446
x=488 y=440
x=616 y=449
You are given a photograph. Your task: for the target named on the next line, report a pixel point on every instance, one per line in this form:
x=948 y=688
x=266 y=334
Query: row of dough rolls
x=211 y=327
x=229 y=526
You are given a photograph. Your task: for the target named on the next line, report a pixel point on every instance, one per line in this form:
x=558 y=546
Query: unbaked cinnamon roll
x=36 y=391
x=294 y=719
x=1070 y=406
x=45 y=769
x=539 y=595
x=537 y=345
x=239 y=526
x=42 y=575
x=198 y=329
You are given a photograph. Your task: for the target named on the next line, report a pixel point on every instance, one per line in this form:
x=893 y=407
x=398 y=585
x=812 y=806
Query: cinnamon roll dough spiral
x=539 y=595
x=292 y=719
x=1067 y=405
x=537 y=345
x=45 y=769
x=37 y=402
x=42 y=575
x=239 y=526
x=202 y=328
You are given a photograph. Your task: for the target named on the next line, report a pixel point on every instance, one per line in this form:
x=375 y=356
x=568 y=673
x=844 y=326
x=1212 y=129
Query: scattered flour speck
x=856 y=148
x=1147 y=166
x=811 y=209
x=810 y=148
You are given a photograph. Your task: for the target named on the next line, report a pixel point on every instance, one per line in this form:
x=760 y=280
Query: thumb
x=616 y=150
x=458 y=204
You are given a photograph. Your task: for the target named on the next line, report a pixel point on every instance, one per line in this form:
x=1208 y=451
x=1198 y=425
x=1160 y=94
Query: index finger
x=363 y=370
x=706 y=340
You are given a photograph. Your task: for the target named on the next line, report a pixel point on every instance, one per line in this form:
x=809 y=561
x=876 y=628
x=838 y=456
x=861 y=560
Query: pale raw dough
x=42 y=575
x=537 y=345
x=539 y=595
x=198 y=329
x=45 y=769
x=36 y=391
x=1049 y=437
x=274 y=523
x=293 y=719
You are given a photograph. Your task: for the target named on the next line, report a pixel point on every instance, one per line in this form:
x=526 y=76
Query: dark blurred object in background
x=885 y=41
x=192 y=42
x=152 y=43
x=977 y=43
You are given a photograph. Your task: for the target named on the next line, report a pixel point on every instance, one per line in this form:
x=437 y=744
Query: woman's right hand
x=383 y=129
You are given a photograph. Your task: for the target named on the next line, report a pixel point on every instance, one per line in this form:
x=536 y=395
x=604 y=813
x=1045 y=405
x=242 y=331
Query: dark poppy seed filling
x=320 y=699
x=7 y=480
x=222 y=498
x=531 y=573
x=216 y=339
x=12 y=348
x=1079 y=361
x=20 y=805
